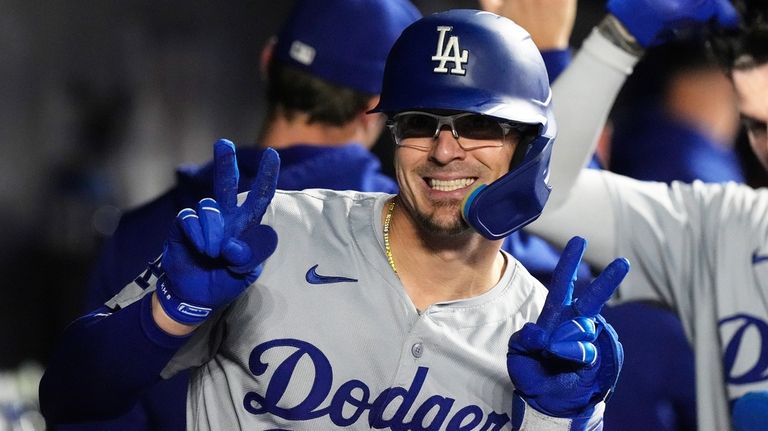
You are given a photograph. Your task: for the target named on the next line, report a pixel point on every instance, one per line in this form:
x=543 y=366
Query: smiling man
x=443 y=156
x=440 y=159
x=320 y=309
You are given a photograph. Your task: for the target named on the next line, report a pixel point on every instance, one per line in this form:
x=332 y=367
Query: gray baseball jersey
x=700 y=248
x=703 y=249
x=327 y=337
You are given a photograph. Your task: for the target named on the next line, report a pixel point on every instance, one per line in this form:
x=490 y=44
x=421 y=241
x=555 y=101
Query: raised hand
x=650 y=21
x=569 y=360
x=214 y=252
x=549 y=22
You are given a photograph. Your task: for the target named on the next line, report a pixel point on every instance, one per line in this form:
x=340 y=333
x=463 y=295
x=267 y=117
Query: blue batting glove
x=569 y=360
x=215 y=251
x=750 y=412
x=652 y=21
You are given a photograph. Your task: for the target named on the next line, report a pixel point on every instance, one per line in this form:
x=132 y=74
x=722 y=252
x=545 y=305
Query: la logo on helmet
x=449 y=52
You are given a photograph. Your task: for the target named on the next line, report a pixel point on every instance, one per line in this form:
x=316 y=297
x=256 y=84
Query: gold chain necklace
x=387 y=248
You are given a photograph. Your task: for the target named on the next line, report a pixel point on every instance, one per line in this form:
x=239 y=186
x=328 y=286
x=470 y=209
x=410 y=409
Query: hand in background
x=550 y=22
x=651 y=22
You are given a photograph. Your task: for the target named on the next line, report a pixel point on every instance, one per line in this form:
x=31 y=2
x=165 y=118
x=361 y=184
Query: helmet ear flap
x=514 y=200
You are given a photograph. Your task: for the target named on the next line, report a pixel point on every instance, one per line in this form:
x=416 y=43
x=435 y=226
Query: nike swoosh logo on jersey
x=314 y=278
x=758 y=258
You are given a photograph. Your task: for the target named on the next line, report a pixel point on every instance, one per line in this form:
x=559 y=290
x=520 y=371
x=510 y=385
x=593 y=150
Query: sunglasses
x=419 y=130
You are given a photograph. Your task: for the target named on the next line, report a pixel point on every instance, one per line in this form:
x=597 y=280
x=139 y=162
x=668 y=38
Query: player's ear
x=374 y=121
x=373 y=102
x=370 y=125
x=266 y=56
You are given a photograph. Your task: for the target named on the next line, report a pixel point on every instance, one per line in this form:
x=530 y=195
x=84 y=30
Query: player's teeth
x=450 y=185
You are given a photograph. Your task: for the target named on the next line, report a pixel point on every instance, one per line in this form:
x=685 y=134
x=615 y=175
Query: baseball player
x=140 y=234
x=321 y=309
x=699 y=248
x=322 y=77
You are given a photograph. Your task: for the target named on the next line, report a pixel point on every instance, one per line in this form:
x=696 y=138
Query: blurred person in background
x=698 y=248
x=676 y=94
x=644 y=398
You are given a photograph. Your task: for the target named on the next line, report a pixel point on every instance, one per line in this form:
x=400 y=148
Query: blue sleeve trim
x=556 y=61
x=103 y=364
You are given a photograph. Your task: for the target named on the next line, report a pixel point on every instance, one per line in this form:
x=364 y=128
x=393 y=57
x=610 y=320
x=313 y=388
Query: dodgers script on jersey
x=703 y=249
x=328 y=339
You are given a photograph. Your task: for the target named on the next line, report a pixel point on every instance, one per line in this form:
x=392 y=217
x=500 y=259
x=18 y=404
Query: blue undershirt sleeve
x=104 y=362
x=556 y=60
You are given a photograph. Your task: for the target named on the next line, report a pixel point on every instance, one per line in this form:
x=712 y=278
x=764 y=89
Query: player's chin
x=446 y=220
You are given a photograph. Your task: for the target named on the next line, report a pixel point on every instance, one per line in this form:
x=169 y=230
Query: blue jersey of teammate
x=640 y=140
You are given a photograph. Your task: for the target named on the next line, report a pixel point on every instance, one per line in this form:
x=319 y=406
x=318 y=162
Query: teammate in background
x=550 y=26
x=650 y=395
x=323 y=73
x=321 y=79
x=679 y=104
x=373 y=310
x=677 y=93
x=698 y=248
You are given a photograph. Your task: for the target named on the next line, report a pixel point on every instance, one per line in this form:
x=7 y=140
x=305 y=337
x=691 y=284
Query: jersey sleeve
x=677 y=236
x=582 y=97
x=666 y=231
x=104 y=362
x=660 y=229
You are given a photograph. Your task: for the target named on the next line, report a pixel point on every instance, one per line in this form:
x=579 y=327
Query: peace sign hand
x=569 y=360
x=215 y=252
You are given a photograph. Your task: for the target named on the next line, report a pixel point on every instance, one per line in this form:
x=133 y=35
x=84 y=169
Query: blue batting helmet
x=479 y=62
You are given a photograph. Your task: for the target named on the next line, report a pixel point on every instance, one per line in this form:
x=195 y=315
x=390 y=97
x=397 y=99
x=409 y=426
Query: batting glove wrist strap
x=612 y=29
x=526 y=417
x=178 y=309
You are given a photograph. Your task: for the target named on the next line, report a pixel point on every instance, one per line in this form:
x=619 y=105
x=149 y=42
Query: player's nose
x=446 y=147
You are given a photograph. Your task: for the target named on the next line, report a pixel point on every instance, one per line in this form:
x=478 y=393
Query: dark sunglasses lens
x=478 y=127
x=416 y=126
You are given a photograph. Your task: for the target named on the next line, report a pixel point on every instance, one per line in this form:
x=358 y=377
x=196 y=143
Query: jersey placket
x=414 y=359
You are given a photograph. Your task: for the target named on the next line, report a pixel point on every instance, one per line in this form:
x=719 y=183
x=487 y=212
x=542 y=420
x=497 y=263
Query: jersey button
x=417 y=350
